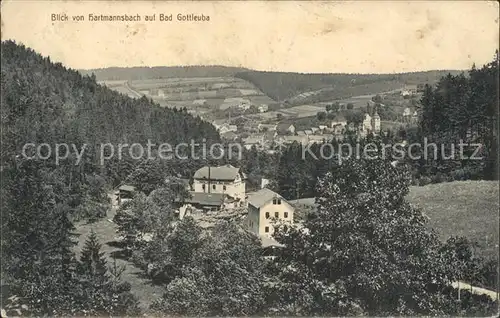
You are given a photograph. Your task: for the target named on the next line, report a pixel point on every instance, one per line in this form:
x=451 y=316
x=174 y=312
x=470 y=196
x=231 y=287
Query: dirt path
x=106 y=232
x=476 y=290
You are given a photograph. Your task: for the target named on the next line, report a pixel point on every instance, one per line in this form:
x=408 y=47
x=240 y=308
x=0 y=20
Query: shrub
x=424 y=181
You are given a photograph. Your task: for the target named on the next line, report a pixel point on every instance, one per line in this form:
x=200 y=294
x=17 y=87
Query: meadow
x=462 y=208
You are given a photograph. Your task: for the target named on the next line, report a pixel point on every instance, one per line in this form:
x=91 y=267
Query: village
x=266 y=135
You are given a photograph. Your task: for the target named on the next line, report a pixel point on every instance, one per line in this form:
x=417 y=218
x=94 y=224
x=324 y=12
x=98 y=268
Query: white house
x=266 y=207
x=226 y=180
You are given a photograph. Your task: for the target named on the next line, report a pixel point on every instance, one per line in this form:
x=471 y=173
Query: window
x=213 y=187
x=224 y=187
x=267 y=215
x=279 y=201
x=203 y=187
x=274 y=201
x=286 y=215
x=276 y=214
x=266 y=229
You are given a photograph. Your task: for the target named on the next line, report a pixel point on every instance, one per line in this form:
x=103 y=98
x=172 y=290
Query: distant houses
x=200 y=102
x=236 y=102
x=222 y=126
x=339 y=120
x=229 y=135
x=254 y=140
x=263 y=108
x=267 y=127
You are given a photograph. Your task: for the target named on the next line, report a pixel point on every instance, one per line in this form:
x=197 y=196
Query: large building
x=264 y=208
x=226 y=180
x=371 y=124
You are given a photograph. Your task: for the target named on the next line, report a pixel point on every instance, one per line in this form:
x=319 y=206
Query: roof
x=210 y=199
x=261 y=197
x=253 y=139
x=267 y=125
x=283 y=126
x=229 y=135
x=127 y=188
x=227 y=172
x=305 y=201
x=219 y=122
x=291 y=139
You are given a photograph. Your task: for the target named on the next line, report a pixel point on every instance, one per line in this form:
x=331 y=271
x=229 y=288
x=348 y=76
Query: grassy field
x=462 y=208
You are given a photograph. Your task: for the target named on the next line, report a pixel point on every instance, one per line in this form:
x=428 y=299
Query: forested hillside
x=47 y=103
x=43 y=102
x=142 y=73
x=286 y=86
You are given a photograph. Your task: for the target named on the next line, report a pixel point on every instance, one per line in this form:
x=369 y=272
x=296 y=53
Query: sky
x=306 y=37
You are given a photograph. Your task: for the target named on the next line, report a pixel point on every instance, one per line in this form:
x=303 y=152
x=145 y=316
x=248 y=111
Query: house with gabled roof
x=265 y=207
x=285 y=128
x=226 y=180
x=206 y=201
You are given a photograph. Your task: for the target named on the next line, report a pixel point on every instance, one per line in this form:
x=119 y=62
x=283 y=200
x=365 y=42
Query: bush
x=424 y=181
x=439 y=178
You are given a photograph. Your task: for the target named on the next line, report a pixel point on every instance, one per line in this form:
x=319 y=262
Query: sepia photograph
x=249 y=158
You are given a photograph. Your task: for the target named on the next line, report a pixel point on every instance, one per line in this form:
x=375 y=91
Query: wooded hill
x=47 y=102
x=158 y=72
x=286 y=87
x=282 y=86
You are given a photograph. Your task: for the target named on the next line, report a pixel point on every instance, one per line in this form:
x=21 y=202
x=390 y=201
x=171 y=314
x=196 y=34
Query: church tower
x=376 y=123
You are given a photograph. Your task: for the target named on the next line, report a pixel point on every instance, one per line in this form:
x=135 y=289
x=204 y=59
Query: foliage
x=465 y=108
x=138 y=218
x=216 y=275
x=282 y=86
x=100 y=288
x=366 y=251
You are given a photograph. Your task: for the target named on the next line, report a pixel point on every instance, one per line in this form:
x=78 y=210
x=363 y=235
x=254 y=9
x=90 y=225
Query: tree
x=143 y=215
x=102 y=292
x=92 y=261
x=366 y=250
x=279 y=116
x=321 y=116
x=350 y=106
x=336 y=107
x=377 y=99
x=331 y=116
x=355 y=117
x=221 y=276
x=37 y=240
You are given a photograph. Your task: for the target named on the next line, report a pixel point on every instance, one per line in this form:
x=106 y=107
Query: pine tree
x=92 y=261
